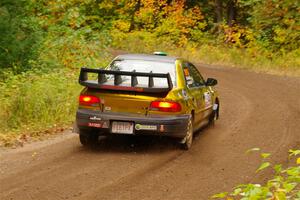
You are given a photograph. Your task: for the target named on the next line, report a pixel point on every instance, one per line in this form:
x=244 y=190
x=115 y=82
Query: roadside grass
x=32 y=103
x=43 y=99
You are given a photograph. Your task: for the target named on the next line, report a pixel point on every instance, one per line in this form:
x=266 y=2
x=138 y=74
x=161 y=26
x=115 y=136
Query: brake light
x=88 y=100
x=165 y=106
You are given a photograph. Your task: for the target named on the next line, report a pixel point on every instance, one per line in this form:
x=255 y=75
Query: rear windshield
x=145 y=66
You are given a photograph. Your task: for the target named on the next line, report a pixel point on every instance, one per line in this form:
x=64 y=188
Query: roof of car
x=149 y=57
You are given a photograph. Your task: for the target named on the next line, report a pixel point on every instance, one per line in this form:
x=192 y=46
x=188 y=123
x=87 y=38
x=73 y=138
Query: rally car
x=145 y=94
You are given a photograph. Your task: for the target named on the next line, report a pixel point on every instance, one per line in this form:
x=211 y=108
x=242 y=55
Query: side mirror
x=211 y=82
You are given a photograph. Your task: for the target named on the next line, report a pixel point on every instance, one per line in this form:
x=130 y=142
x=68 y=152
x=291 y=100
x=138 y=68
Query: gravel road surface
x=257 y=110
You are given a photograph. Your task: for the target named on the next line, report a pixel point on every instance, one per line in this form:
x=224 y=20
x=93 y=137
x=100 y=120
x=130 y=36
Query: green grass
x=44 y=99
x=251 y=58
x=31 y=103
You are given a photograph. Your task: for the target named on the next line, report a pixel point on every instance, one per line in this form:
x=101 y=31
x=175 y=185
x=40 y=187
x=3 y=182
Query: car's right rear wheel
x=88 y=138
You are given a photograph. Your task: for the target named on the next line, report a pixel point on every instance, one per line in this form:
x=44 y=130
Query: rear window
x=145 y=66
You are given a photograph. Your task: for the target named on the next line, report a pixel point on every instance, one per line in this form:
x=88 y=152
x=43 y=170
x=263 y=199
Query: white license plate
x=122 y=127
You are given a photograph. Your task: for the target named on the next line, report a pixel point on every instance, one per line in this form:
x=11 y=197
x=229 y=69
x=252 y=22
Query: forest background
x=43 y=44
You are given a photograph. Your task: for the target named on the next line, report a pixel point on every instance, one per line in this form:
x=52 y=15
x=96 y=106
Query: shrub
x=33 y=101
x=283 y=186
x=20 y=35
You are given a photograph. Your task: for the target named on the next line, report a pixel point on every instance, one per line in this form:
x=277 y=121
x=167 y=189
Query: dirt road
x=257 y=110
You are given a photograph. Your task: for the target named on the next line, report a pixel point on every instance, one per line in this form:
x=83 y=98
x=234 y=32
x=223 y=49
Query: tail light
x=165 y=106
x=88 y=100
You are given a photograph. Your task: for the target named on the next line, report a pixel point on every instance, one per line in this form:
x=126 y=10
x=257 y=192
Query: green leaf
x=253 y=149
x=263 y=166
x=289 y=186
x=280 y=195
x=278 y=168
x=236 y=192
x=220 y=195
x=265 y=155
x=293 y=171
x=294 y=152
x=298 y=194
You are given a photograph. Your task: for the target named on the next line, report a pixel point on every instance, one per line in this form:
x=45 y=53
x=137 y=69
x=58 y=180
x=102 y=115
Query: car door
x=194 y=89
x=205 y=92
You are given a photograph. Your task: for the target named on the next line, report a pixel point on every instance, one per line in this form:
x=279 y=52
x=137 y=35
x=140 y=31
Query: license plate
x=122 y=127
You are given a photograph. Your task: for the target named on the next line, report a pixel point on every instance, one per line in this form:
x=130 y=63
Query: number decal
x=207 y=99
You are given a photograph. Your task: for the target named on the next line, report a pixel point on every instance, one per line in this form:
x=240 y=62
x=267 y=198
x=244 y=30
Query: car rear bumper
x=172 y=126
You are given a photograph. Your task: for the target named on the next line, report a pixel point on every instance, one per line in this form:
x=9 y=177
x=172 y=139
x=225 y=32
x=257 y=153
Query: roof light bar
x=160 y=53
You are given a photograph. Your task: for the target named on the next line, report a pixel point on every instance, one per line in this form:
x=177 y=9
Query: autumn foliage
x=46 y=42
x=269 y=27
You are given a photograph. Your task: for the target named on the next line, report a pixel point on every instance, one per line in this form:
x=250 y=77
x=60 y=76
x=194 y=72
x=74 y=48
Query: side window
x=196 y=75
x=188 y=75
x=192 y=76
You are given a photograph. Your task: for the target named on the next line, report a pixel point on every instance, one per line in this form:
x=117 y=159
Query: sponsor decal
x=162 y=128
x=186 y=72
x=104 y=125
x=184 y=94
x=145 y=127
x=107 y=108
x=96 y=125
x=207 y=99
x=137 y=127
x=95 y=118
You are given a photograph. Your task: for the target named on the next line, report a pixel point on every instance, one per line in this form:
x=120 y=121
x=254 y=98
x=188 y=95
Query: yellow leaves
x=237 y=35
x=122 y=25
x=106 y=4
x=170 y=18
x=73 y=16
x=298 y=161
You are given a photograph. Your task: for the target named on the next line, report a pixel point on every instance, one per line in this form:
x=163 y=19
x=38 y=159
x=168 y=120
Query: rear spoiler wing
x=102 y=82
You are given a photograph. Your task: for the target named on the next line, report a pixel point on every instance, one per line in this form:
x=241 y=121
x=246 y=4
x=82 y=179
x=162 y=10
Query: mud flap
x=216 y=110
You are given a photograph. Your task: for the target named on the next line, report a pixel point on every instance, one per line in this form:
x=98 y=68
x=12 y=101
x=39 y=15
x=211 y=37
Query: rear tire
x=188 y=139
x=88 y=138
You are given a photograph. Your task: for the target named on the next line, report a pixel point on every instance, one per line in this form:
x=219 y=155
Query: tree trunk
x=136 y=8
x=231 y=12
x=219 y=11
x=219 y=14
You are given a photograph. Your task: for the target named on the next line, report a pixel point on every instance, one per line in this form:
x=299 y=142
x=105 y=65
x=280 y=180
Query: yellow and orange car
x=142 y=94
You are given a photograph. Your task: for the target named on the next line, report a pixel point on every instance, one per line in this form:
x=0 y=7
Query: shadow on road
x=132 y=144
x=136 y=144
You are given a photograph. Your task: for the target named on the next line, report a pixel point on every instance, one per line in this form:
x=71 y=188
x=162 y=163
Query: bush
x=20 y=35
x=32 y=102
x=283 y=186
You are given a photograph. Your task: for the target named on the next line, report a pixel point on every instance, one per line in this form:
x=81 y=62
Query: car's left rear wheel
x=88 y=138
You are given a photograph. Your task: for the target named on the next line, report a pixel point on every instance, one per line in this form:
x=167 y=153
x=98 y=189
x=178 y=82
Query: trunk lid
x=125 y=102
